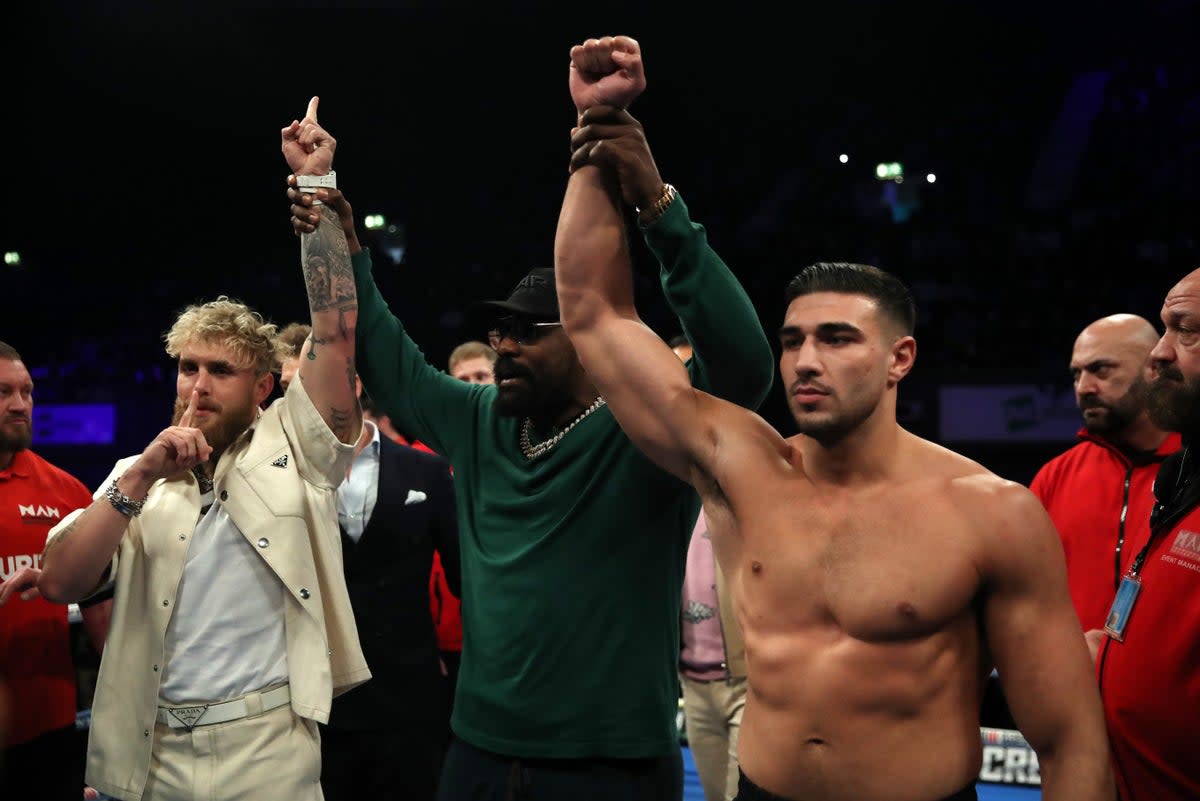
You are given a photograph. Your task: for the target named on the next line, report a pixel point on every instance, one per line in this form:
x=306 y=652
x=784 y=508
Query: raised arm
x=327 y=360
x=646 y=385
x=732 y=357
x=420 y=398
x=1039 y=650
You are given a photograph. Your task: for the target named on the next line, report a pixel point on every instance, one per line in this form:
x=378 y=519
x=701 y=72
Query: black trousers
x=380 y=763
x=48 y=767
x=472 y=774
x=749 y=791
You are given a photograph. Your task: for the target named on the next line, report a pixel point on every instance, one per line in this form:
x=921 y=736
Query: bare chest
x=878 y=570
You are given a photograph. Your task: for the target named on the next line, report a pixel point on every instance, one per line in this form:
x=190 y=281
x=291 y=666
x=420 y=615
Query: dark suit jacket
x=387 y=573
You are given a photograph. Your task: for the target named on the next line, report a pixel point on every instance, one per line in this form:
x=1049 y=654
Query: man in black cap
x=544 y=384
x=572 y=542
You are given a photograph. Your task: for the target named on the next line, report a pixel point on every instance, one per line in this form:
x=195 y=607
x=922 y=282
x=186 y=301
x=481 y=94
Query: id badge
x=1122 y=605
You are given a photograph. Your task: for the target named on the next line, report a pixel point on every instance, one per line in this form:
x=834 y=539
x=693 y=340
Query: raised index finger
x=312 y=109
x=186 y=419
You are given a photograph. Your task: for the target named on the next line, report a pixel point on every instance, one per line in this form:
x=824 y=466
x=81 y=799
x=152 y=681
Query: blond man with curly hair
x=232 y=628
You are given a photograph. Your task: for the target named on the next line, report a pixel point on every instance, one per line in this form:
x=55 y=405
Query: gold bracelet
x=660 y=206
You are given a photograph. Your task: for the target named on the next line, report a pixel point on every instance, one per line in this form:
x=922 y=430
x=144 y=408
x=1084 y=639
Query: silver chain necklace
x=532 y=451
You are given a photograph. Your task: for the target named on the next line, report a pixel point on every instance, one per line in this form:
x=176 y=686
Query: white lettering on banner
x=37 y=513
x=1010 y=765
x=12 y=564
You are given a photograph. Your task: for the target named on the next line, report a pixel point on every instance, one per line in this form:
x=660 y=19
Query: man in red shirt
x=42 y=757
x=1098 y=493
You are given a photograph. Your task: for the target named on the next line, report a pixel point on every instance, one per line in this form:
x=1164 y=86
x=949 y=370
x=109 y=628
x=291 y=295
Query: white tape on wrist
x=311 y=183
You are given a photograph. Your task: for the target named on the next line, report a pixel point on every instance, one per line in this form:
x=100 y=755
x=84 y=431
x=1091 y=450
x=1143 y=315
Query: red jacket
x=1100 y=503
x=1150 y=683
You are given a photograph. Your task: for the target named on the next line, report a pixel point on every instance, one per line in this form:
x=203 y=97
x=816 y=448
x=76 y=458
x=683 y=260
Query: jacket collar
x=1172 y=443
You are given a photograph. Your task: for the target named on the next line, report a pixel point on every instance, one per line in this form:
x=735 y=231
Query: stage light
x=890 y=171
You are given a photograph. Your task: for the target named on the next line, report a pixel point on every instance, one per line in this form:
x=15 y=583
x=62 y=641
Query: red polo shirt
x=35 y=657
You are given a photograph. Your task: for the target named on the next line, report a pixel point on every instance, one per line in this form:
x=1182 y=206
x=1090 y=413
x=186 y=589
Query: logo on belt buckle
x=189 y=716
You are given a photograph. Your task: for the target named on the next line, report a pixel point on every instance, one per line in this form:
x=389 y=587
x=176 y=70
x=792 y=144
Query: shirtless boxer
x=877 y=576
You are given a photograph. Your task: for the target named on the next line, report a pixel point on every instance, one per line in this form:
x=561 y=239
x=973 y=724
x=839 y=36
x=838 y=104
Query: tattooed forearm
x=326 y=261
x=348 y=318
x=333 y=300
x=66 y=533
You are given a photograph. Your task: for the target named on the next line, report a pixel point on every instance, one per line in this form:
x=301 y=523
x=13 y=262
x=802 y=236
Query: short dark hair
x=7 y=351
x=888 y=291
x=678 y=341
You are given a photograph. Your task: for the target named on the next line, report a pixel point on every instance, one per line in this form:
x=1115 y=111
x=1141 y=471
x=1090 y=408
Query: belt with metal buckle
x=189 y=716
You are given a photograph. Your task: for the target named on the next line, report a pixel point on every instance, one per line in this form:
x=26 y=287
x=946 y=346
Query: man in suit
x=395 y=509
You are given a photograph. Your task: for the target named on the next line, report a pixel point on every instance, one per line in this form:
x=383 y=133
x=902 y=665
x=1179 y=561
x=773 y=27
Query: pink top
x=702 y=655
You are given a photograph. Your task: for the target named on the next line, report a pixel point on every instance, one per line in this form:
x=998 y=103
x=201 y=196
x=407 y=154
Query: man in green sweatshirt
x=573 y=543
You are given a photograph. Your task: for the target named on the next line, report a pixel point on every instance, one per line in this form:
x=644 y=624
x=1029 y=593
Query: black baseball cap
x=534 y=296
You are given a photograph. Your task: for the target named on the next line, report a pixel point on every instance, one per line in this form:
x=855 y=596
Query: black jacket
x=387 y=572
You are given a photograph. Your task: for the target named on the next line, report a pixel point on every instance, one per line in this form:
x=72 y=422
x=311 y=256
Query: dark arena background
x=1025 y=167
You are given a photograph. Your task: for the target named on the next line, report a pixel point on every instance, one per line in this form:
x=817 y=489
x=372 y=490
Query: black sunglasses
x=521 y=330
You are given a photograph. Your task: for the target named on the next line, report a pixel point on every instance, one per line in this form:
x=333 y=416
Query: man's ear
x=263 y=387
x=904 y=355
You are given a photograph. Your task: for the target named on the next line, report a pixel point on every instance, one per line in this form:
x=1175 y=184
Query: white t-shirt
x=226 y=637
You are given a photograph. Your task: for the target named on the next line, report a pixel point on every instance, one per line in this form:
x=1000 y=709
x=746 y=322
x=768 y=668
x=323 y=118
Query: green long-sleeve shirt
x=572 y=564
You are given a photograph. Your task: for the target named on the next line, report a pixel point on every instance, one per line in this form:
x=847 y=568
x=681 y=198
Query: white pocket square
x=414 y=496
